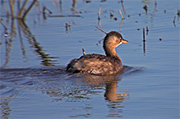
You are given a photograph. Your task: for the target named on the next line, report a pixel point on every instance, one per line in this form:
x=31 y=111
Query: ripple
x=132 y=69
x=6 y=92
x=56 y=83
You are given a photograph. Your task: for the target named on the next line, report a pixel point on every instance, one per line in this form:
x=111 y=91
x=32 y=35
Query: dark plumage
x=100 y=64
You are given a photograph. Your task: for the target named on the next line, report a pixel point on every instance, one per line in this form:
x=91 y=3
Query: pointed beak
x=124 y=41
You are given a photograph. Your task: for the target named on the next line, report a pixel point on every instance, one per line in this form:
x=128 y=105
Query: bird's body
x=100 y=64
x=95 y=64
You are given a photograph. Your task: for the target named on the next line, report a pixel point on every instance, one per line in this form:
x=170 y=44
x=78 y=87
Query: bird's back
x=95 y=64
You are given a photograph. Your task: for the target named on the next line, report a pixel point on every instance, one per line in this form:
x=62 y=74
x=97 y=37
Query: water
x=34 y=83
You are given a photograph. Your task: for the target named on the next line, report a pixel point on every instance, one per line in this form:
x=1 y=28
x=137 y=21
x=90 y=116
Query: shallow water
x=34 y=83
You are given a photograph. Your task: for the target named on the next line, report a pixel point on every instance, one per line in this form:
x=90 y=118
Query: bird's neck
x=111 y=52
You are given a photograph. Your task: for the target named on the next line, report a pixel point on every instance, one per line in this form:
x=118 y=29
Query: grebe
x=100 y=64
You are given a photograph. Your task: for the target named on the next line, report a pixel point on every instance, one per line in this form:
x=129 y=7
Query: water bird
x=98 y=64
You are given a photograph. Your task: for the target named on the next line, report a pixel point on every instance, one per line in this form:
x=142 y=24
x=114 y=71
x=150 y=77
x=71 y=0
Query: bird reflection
x=111 y=93
x=114 y=97
x=110 y=82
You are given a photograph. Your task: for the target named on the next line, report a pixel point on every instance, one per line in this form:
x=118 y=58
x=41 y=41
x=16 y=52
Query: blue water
x=34 y=83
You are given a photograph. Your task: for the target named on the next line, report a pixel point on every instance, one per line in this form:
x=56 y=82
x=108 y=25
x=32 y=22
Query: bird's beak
x=124 y=41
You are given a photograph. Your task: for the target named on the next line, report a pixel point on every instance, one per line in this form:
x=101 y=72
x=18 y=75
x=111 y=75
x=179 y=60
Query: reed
x=6 y=9
x=29 y=8
x=9 y=33
x=12 y=7
x=101 y=30
x=99 y=13
x=123 y=6
x=144 y=40
x=121 y=14
x=83 y=51
x=22 y=9
x=147 y=30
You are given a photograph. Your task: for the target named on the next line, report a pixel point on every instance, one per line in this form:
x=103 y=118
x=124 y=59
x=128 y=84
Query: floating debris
x=178 y=13
x=103 y=0
x=44 y=12
x=165 y=11
x=174 y=21
x=87 y=1
x=112 y=14
x=155 y=3
x=68 y=26
x=115 y=18
x=46 y=9
x=145 y=8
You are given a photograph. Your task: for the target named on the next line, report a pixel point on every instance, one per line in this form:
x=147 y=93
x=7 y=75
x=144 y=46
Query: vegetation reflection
x=8 y=23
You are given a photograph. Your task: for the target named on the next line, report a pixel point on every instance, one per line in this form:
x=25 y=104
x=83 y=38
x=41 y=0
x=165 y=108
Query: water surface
x=34 y=55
